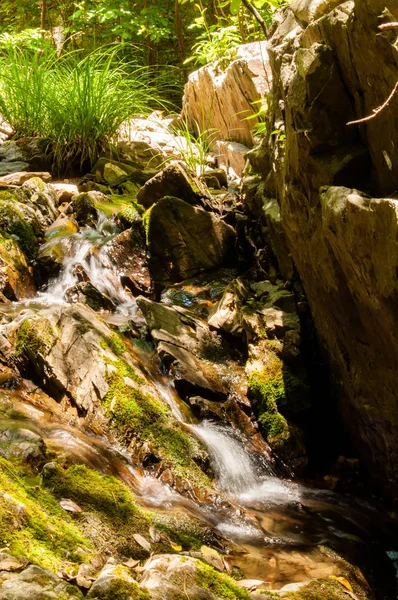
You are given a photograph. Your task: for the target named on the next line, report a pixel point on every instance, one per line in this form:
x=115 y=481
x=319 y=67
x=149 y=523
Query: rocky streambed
x=166 y=423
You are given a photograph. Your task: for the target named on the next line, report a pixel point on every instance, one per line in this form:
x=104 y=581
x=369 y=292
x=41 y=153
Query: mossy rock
x=135 y=413
x=33 y=525
x=16 y=281
x=274 y=390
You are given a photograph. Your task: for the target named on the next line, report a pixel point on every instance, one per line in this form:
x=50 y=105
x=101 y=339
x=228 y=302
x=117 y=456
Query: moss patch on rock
x=112 y=514
x=220 y=584
x=33 y=525
x=273 y=388
x=34 y=336
x=136 y=413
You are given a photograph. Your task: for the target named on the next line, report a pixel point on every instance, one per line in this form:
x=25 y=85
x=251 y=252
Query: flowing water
x=280 y=526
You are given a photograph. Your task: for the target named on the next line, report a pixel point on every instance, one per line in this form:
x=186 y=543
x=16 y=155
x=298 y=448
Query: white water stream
x=86 y=250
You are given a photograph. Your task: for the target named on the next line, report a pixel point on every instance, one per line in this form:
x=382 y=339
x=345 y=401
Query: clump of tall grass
x=76 y=104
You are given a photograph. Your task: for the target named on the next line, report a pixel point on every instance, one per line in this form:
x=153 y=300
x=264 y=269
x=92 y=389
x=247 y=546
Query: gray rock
x=35 y=583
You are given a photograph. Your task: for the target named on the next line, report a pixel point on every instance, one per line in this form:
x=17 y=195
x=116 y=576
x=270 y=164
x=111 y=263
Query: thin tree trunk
x=43 y=16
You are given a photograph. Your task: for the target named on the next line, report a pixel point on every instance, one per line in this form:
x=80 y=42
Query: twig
x=376 y=111
x=256 y=15
x=388 y=26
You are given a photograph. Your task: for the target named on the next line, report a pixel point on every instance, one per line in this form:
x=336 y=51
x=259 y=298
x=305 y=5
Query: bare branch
x=377 y=111
x=385 y=26
x=256 y=15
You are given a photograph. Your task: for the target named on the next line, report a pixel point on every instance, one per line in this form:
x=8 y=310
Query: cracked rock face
x=331 y=64
x=225 y=97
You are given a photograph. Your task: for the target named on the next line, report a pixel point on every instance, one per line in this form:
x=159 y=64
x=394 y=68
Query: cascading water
x=238 y=474
x=262 y=510
x=87 y=250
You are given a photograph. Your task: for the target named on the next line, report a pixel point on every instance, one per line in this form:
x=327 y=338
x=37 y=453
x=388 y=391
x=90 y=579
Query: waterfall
x=238 y=474
x=86 y=249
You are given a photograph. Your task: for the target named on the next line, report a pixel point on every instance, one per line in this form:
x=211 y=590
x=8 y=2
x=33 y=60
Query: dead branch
x=256 y=15
x=376 y=111
x=385 y=26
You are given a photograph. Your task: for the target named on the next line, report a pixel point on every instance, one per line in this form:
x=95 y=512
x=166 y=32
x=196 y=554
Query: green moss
x=124 y=590
x=130 y=214
x=146 y=221
x=34 y=336
x=33 y=525
x=115 y=343
x=220 y=584
x=91 y=489
x=13 y=221
x=320 y=589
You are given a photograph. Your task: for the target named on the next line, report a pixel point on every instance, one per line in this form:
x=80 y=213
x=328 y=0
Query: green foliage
x=216 y=44
x=76 y=104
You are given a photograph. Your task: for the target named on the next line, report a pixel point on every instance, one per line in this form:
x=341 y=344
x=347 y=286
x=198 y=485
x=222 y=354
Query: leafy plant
x=216 y=44
x=194 y=144
x=76 y=104
x=260 y=127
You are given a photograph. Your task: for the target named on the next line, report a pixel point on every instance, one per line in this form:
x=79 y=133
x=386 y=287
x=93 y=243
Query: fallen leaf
x=176 y=547
x=70 y=506
x=212 y=557
x=155 y=535
x=250 y=584
x=131 y=563
x=9 y=563
x=141 y=541
x=343 y=581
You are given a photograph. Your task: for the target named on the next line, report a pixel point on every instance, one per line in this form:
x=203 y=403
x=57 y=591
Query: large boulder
x=331 y=65
x=185 y=240
x=174 y=180
x=219 y=100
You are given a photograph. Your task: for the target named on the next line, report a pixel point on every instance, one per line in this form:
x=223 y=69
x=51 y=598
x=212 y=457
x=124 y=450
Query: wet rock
x=128 y=254
x=23 y=155
x=49 y=259
x=163 y=574
x=215 y=179
x=86 y=293
x=86 y=204
x=272 y=314
x=114 y=173
x=23 y=444
x=35 y=583
x=174 y=180
x=20 y=177
x=198 y=360
x=200 y=293
x=232 y=156
x=141 y=155
x=218 y=97
x=343 y=242
x=184 y=240
x=64 y=192
x=27 y=211
x=16 y=281
x=65 y=351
